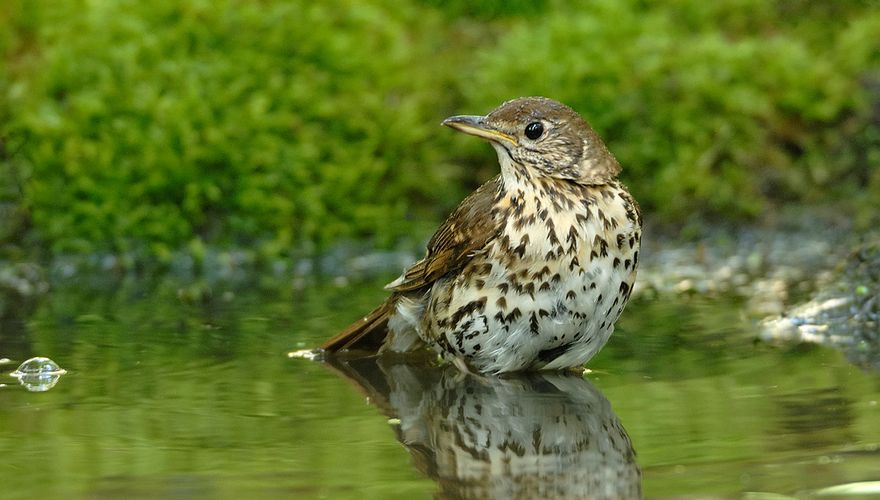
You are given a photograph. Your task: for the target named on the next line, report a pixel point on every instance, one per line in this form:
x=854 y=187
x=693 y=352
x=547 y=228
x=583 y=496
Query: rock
x=844 y=314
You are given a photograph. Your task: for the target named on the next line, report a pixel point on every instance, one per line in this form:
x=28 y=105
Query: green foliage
x=488 y=9
x=268 y=126
x=151 y=127
x=713 y=108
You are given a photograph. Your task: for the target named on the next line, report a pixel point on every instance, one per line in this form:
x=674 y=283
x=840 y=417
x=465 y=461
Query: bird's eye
x=534 y=130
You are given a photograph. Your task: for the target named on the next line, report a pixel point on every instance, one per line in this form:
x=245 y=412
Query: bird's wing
x=464 y=234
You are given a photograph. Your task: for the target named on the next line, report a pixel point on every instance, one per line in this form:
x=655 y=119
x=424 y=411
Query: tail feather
x=367 y=334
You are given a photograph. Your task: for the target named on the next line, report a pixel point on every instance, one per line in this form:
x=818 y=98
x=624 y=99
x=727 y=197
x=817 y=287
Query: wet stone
x=845 y=314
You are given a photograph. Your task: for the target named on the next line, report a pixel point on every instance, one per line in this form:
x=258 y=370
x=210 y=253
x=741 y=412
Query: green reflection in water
x=171 y=397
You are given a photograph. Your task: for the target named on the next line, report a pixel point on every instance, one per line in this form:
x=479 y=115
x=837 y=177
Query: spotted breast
x=546 y=292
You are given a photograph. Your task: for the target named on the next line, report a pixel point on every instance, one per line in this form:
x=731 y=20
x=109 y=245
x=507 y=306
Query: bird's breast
x=549 y=223
x=556 y=278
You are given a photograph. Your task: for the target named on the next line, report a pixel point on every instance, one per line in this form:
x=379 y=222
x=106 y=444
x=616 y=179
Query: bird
x=532 y=270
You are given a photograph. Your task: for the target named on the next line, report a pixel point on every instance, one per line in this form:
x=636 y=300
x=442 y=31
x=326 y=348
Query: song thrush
x=532 y=270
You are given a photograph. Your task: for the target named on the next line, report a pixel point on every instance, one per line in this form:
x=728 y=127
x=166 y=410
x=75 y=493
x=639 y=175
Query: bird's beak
x=476 y=125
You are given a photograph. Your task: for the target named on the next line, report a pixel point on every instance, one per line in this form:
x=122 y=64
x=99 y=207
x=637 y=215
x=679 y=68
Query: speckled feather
x=532 y=270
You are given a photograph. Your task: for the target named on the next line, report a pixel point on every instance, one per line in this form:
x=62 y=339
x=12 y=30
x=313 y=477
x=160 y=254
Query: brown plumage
x=465 y=231
x=368 y=333
x=533 y=268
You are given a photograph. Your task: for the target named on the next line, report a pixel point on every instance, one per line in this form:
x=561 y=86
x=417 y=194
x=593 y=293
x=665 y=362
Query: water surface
x=173 y=392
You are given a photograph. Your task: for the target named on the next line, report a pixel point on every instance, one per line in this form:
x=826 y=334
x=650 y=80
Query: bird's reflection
x=529 y=436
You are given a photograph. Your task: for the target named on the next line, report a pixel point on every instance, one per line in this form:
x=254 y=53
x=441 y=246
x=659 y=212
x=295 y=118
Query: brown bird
x=532 y=270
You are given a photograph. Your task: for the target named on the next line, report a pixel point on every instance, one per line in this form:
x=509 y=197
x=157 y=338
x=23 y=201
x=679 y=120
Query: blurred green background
x=277 y=127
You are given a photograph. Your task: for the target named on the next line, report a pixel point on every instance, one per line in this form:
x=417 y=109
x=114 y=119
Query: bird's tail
x=365 y=334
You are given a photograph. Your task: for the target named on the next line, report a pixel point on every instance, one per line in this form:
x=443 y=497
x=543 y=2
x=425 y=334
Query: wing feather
x=465 y=233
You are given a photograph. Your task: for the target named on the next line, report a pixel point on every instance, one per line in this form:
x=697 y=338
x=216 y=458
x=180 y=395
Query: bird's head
x=545 y=137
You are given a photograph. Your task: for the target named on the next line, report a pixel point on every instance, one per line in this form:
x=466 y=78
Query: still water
x=171 y=392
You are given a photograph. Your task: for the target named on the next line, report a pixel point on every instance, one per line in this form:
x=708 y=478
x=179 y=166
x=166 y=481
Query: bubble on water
x=38 y=374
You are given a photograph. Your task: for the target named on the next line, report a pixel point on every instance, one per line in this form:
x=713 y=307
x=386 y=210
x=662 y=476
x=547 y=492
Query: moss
x=152 y=127
x=237 y=124
x=714 y=109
